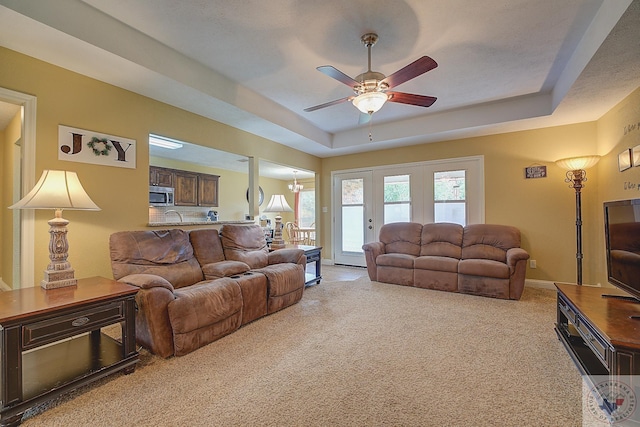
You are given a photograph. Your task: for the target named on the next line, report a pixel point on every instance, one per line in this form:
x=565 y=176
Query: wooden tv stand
x=601 y=334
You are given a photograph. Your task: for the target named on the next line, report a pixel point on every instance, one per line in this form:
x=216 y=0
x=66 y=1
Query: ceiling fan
x=371 y=88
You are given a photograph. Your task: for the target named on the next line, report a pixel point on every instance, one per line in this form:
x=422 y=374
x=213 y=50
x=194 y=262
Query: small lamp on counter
x=276 y=205
x=57 y=190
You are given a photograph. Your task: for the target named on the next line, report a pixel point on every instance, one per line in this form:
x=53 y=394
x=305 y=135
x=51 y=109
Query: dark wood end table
x=51 y=341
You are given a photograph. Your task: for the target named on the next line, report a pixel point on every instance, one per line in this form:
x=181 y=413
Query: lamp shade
x=578 y=163
x=370 y=102
x=278 y=204
x=57 y=190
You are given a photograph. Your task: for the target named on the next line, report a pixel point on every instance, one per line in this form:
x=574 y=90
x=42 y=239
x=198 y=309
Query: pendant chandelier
x=295 y=187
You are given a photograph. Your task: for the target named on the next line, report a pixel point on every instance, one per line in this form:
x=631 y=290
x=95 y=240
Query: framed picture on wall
x=624 y=160
x=635 y=156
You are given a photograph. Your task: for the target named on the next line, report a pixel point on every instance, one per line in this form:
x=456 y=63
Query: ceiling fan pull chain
x=370 y=120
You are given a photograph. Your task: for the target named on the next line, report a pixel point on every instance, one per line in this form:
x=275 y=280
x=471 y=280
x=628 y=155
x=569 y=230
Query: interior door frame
x=28 y=180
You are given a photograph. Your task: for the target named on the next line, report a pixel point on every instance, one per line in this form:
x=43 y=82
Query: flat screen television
x=622 y=234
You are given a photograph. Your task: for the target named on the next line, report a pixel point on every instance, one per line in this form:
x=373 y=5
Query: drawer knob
x=80 y=321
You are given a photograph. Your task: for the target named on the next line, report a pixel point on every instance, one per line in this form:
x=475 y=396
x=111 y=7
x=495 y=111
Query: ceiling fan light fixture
x=370 y=102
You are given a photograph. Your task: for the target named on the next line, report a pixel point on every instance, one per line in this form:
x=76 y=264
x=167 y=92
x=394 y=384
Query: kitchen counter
x=178 y=224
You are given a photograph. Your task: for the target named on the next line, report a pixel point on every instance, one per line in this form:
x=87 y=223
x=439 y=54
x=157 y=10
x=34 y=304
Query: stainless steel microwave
x=160 y=196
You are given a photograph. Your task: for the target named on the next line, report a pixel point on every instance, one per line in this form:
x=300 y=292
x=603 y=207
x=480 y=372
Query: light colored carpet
x=354 y=353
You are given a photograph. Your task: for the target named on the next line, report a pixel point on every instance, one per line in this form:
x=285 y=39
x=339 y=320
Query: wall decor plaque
x=85 y=146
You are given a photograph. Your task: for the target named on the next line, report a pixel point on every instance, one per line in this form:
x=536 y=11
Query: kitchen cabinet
x=208 y=190
x=196 y=189
x=186 y=189
x=161 y=177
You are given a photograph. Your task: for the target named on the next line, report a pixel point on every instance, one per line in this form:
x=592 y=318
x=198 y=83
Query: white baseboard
x=540 y=284
x=546 y=284
x=4 y=286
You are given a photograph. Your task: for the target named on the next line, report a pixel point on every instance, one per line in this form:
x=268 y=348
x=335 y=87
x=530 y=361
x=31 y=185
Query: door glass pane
x=449 y=196
x=352 y=228
x=397 y=198
x=352 y=214
x=352 y=191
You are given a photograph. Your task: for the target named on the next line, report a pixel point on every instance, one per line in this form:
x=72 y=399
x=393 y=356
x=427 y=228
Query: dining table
x=308 y=235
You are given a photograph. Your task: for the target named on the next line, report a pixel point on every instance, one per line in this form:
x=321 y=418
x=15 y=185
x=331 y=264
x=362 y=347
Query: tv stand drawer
x=589 y=335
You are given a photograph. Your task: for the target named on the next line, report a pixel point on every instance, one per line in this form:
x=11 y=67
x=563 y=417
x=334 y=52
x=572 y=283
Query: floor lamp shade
x=276 y=205
x=57 y=190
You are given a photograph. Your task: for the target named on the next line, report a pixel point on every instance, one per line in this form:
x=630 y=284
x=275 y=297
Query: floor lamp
x=276 y=205
x=576 y=176
x=57 y=190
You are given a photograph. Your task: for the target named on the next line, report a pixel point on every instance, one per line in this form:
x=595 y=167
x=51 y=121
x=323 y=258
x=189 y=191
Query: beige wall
x=617 y=131
x=67 y=98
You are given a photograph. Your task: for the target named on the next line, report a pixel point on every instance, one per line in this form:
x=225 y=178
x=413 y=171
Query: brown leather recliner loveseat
x=200 y=285
x=480 y=259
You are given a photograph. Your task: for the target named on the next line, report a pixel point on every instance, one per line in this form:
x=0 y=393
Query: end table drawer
x=314 y=257
x=46 y=331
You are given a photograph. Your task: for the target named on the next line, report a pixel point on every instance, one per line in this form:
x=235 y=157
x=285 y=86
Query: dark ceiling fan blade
x=328 y=104
x=412 y=99
x=338 y=75
x=417 y=67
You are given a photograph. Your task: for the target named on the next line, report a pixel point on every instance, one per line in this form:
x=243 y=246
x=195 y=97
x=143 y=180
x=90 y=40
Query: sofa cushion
x=395 y=260
x=442 y=239
x=285 y=285
x=165 y=253
x=489 y=241
x=484 y=267
x=436 y=263
x=207 y=246
x=203 y=313
x=245 y=243
x=253 y=286
x=401 y=237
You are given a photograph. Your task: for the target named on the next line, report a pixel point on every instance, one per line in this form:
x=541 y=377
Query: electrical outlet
x=532 y=263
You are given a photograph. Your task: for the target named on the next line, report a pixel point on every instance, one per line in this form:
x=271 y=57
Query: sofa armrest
x=217 y=270
x=371 y=252
x=153 y=328
x=375 y=248
x=146 y=281
x=516 y=260
x=285 y=255
x=514 y=255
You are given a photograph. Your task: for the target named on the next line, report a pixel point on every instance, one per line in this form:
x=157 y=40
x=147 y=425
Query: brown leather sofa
x=479 y=259
x=198 y=286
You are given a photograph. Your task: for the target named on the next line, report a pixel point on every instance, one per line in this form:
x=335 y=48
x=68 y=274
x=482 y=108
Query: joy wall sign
x=85 y=146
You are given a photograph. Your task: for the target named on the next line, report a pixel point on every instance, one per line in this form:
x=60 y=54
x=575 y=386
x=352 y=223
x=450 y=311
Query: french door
x=354 y=223
x=439 y=191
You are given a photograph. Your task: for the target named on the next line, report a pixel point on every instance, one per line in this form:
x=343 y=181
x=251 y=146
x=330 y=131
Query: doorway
x=18 y=256
x=450 y=190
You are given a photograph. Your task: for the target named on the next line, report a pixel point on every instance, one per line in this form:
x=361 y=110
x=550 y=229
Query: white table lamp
x=57 y=190
x=278 y=204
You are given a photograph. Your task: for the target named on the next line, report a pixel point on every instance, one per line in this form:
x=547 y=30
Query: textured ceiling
x=504 y=65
